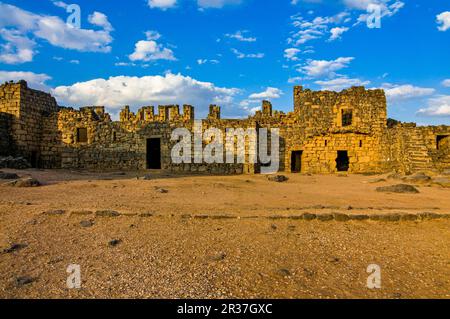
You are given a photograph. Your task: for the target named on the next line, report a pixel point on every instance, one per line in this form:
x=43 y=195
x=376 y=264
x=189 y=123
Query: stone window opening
x=326 y=143
x=440 y=140
x=346 y=117
x=82 y=135
x=360 y=143
x=114 y=136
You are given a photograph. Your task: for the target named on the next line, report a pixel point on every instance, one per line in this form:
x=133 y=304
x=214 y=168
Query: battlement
x=165 y=113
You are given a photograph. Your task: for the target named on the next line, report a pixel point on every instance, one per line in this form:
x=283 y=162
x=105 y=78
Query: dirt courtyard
x=172 y=236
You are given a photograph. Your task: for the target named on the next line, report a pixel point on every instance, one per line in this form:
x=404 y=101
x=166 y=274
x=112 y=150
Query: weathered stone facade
x=327 y=132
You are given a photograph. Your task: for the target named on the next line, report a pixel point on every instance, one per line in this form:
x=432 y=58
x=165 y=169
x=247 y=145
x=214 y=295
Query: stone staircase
x=416 y=152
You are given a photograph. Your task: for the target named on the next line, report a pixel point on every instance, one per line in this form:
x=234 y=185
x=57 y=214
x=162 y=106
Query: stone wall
x=322 y=125
x=28 y=109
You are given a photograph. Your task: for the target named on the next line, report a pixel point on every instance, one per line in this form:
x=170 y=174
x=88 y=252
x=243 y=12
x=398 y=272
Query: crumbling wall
x=28 y=109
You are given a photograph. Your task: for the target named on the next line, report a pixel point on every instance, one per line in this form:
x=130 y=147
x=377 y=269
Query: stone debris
x=441 y=181
x=217 y=257
x=107 y=213
x=14 y=247
x=399 y=188
x=114 y=242
x=23 y=281
x=4 y=175
x=25 y=182
x=277 y=178
x=57 y=212
x=418 y=178
x=86 y=223
x=14 y=162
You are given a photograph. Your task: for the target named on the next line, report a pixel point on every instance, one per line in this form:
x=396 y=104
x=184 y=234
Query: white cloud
x=443 y=20
x=162 y=4
x=17 y=49
x=118 y=91
x=152 y=35
x=341 y=83
x=406 y=91
x=314 y=29
x=217 y=4
x=446 y=83
x=204 y=61
x=240 y=36
x=241 y=55
x=19 y=27
x=101 y=20
x=269 y=93
x=60 y=4
x=291 y=54
x=437 y=106
x=150 y=50
x=250 y=105
x=296 y=79
x=337 y=32
x=36 y=81
x=324 y=68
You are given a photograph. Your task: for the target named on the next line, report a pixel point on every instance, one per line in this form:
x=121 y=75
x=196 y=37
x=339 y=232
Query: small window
x=114 y=136
x=347 y=117
x=82 y=136
x=326 y=143
x=360 y=143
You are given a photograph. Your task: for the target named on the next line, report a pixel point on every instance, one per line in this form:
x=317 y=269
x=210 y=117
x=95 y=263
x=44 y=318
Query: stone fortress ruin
x=327 y=132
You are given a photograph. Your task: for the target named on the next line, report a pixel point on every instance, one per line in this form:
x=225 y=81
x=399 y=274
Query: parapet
x=214 y=112
x=166 y=113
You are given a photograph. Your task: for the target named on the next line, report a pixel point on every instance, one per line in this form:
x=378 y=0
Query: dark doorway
x=154 y=153
x=34 y=159
x=342 y=161
x=296 y=161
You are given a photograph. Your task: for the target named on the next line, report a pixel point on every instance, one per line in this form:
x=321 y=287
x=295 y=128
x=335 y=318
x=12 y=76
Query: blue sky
x=230 y=52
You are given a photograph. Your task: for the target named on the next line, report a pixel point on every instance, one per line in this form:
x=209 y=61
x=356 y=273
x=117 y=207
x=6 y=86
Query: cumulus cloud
x=269 y=93
x=443 y=21
x=241 y=55
x=291 y=54
x=19 y=26
x=324 y=68
x=241 y=36
x=101 y=20
x=150 y=50
x=446 y=83
x=34 y=80
x=437 y=106
x=307 y=30
x=115 y=92
x=341 y=83
x=337 y=32
x=17 y=49
x=162 y=4
x=406 y=91
x=250 y=105
x=217 y=4
x=205 y=61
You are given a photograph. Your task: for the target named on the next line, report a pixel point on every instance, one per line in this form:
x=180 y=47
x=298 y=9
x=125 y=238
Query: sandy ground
x=218 y=237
